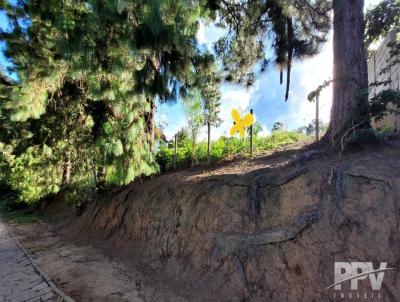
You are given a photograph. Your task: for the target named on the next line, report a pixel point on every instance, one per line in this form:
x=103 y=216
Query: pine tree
x=211 y=99
x=296 y=29
x=194 y=117
x=98 y=67
x=209 y=81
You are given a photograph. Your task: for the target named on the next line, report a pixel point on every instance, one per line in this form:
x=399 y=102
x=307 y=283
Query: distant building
x=376 y=62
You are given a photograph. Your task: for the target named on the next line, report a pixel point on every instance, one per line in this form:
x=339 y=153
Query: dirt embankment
x=265 y=229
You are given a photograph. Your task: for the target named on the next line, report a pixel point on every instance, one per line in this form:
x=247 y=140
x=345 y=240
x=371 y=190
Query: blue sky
x=266 y=97
x=3 y=25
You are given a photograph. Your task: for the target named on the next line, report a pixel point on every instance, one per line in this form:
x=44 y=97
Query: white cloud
x=201 y=34
x=370 y=3
x=314 y=72
x=232 y=99
x=264 y=132
x=207 y=34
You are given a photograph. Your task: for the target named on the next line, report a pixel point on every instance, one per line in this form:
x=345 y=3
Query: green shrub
x=221 y=148
x=12 y=209
x=386 y=129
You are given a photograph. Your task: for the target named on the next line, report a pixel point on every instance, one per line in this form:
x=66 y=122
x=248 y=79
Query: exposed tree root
x=306 y=157
x=235 y=242
x=270 y=178
x=397 y=211
x=372 y=178
x=254 y=193
x=396 y=207
x=240 y=267
x=337 y=195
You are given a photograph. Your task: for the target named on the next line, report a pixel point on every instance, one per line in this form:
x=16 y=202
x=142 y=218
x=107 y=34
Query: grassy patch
x=222 y=148
x=20 y=213
x=19 y=217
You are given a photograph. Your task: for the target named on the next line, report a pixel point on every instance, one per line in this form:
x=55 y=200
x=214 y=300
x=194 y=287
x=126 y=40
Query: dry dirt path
x=19 y=278
x=85 y=273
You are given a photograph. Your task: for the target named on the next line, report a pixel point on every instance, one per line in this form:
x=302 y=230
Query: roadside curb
x=43 y=274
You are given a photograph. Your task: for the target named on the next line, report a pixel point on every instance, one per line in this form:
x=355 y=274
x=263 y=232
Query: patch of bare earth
x=88 y=274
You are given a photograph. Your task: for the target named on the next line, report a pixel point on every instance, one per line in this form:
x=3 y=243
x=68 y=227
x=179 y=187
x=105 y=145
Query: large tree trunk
x=208 y=141
x=350 y=78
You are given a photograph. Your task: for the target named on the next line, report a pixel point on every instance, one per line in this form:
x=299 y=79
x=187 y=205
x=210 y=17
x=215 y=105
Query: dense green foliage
x=381 y=19
x=222 y=148
x=81 y=112
x=384 y=103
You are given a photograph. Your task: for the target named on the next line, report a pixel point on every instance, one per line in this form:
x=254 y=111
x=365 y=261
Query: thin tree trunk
x=95 y=180
x=101 y=177
x=350 y=78
x=317 y=118
x=150 y=124
x=193 y=147
x=208 y=141
x=101 y=174
x=66 y=176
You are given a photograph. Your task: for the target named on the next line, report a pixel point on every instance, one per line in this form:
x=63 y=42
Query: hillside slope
x=262 y=229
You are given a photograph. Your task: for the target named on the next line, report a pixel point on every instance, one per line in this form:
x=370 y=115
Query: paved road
x=19 y=281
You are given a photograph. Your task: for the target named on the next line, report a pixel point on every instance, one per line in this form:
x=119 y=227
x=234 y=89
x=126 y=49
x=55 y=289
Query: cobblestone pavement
x=19 y=281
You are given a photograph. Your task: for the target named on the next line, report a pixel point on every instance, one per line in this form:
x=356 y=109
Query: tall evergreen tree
x=296 y=29
x=194 y=117
x=211 y=105
x=102 y=62
x=209 y=81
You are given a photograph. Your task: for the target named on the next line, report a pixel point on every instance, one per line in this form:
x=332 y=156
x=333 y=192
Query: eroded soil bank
x=264 y=229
